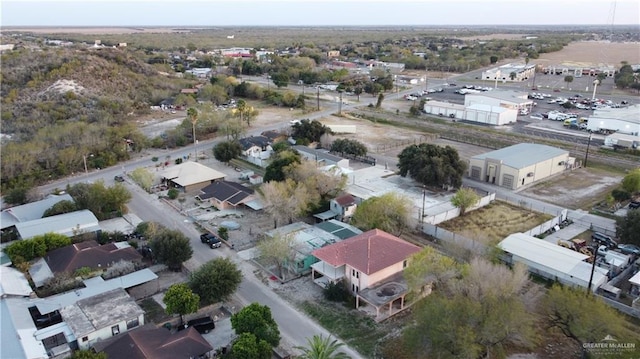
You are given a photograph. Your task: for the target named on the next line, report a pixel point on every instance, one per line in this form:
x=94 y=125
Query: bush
x=223 y=232
x=336 y=292
x=173 y=193
x=620 y=195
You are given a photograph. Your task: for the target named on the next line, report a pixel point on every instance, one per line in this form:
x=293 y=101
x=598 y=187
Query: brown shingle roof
x=88 y=254
x=368 y=252
x=149 y=342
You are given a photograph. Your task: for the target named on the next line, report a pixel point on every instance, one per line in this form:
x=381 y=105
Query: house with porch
x=256 y=149
x=370 y=265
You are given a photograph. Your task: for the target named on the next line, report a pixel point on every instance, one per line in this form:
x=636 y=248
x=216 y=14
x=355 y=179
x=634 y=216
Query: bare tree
x=279 y=250
x=284 y=200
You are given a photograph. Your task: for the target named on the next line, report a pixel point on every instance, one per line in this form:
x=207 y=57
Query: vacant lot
x=494 y=222
x=581 y=188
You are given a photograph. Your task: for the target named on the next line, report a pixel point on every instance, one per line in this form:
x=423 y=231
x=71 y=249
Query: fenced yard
x=492 y=223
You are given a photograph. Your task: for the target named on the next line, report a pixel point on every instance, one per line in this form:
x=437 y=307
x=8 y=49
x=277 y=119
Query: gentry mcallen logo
x=608 y=345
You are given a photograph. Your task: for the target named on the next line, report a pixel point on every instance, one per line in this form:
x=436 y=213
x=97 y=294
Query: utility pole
x=340 y=104
x=586 y=155
x=318 y=98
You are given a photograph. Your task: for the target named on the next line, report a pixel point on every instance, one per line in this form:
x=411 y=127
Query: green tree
x=104 y=202
x=320 y=347
x=349 y=146
x=465 y=198
x=307 y=131
x=248 y=346
x=628 y=227
x=432 y=165
x=173 y=193
x=583 y=318
x=479 y=313
x=275 y=169
x=512 y=75
x=568 y=79
x=226 y=151
x=142 y=177
x=17 y=195
x=257 y=320
x=280 y=79
x=60 y=208
x=429 y=266
x=171 y=247
x=87 y=354
x=216 y=280
x=389 y=212
x=631 y=181
x=179 y=299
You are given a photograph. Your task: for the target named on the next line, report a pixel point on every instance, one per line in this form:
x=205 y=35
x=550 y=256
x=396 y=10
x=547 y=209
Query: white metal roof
x=18 y=331
x=488 y=108
x=13 y=282
x=30 y=211
x=551 y=256
x=635 y=279
x=189 y=173
x=540 y=251
x=66 y=224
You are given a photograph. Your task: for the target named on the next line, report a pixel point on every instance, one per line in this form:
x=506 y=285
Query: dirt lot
x=493 y=223
x=581 y=188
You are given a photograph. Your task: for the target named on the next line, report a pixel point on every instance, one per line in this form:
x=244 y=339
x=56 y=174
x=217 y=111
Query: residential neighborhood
x=280 y=201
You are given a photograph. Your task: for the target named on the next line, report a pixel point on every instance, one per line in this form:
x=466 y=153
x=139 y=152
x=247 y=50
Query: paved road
x=295 y=327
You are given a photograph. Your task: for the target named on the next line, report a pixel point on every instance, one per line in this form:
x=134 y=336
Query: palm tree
x=192 y=113
x=320 y=347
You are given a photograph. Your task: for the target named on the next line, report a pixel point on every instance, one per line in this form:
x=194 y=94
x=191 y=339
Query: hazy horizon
x=318 y=13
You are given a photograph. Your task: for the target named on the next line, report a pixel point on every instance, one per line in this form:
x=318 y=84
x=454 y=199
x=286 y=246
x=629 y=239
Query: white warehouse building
x=481 y=113
x=621 y=120
x=552 y=261
x=508 y=99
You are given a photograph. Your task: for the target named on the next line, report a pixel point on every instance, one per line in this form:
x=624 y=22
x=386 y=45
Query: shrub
x=620 y=194
x=223 y=232
x=336 y=292
x=173 y=193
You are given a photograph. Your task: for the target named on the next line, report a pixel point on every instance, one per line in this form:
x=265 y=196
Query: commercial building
x=519 y=165
x=514 y=100
x=620 y=120
x=510 y=72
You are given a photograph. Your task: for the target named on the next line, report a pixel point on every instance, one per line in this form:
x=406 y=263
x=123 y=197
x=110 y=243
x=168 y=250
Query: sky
x=316 y=12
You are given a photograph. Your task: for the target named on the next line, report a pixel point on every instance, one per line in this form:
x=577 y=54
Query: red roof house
x=371 y=265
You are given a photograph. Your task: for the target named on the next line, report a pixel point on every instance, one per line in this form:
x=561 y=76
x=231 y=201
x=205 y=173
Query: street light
x=586 y=155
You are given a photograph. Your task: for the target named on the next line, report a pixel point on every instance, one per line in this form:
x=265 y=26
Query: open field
x=590 y=53
x=494 y=222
